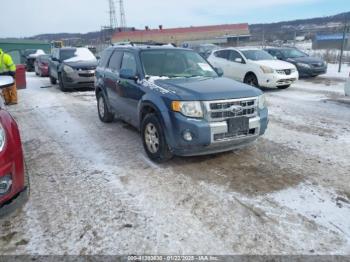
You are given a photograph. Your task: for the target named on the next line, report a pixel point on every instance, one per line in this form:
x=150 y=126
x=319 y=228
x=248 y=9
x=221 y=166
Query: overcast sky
x=32 y=17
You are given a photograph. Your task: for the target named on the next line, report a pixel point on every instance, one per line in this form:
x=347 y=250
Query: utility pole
x=122 y=15
x=113 y=23
x=343 y=43
x=263 y=36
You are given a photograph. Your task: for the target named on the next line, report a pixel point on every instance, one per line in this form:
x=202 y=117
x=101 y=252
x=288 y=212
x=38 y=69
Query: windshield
x=175 y=63
x=77 y=55
x=292 y=53
x=257 y=55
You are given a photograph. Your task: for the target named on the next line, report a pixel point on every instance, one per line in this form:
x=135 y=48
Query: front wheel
x=103 y=112
x=251 y=80
x=283 y=87
x=154 y=141
x=61 y=83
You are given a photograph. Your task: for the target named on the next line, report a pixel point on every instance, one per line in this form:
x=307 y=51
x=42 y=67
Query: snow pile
x=37 y=53
x=82 y=54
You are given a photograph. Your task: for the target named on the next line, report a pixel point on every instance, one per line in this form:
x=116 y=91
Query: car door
x=129 y=91
x=111 y=78
x=220 y=59
x=237 y=67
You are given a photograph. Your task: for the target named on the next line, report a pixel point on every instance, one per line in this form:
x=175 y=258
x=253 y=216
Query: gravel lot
x=93 y=191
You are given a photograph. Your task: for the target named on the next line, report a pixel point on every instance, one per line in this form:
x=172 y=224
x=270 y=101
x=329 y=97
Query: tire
x=153 y=138
x=283 y=87
x=251 y=80
x=103 y=112
x=61 y=83
x=53 y=80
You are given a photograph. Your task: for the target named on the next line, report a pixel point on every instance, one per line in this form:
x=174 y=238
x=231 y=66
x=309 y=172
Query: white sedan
x=254 y=67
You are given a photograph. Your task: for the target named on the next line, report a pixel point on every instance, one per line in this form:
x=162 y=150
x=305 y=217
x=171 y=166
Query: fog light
x=5 y=184
x=187 y=136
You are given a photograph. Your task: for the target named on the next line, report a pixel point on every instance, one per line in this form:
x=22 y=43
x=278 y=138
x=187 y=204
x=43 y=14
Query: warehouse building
x=232 y=34
x=331 y=41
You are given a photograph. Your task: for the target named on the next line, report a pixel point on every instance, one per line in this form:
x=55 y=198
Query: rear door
x=111 y=78
x=55 y=63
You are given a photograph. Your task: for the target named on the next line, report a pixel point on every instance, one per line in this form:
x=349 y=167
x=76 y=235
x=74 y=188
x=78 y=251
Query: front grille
x=221 y=110
x=86 y=74
x=316 y=65
x=285 y=71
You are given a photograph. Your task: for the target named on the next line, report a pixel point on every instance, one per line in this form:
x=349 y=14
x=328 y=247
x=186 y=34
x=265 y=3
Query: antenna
x=122 y=15
x=112 y=16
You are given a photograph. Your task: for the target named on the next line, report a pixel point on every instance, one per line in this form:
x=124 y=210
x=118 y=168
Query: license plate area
x=238 y=124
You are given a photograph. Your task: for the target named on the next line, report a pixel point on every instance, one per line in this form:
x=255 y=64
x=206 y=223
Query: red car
x=41 y=65
x=13 y=185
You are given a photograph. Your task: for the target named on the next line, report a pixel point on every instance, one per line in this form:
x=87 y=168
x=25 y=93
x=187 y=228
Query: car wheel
x=61 y=83
x=251 y=80
x=283 y=87
x=53 y=80
x=153 y=139
x=103 y=112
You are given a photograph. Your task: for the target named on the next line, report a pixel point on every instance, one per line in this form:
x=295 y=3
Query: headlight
x=262 y=102
x=266 y=69
x=2 y=138
x=68 y=69
x=303 y=65
x=188 y=108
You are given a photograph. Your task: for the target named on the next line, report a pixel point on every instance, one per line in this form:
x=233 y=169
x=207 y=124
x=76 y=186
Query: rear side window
x=105 y=58
x=129 y=62
x=222 y=54
x=114 y=62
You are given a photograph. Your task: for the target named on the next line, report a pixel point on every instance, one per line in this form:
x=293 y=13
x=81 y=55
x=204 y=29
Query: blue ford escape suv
x=178 y=101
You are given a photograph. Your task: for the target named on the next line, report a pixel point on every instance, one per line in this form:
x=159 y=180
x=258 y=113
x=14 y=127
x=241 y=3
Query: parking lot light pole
x=343 y=44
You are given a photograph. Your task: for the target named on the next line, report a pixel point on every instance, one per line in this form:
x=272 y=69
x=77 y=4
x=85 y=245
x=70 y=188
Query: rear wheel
x=53 y=80
x=103 y=112
x=153 y=138
x=251 y=80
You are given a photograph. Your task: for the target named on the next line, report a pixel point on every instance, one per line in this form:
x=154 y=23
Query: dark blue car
x=178 y=101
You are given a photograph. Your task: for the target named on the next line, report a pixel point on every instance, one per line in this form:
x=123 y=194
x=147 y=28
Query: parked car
x=254 y=67
x=72 y=67
x=347 y=87
x=30 y=55
x=178 y=101
x=203 y=49
x=13 y=186
x=41 y=65
x=307 y=66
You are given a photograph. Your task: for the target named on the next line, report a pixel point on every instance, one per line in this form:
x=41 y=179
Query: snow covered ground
x=93 y=190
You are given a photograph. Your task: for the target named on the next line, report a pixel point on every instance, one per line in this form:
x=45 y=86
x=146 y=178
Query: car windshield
x=292 y=53
x=77 y=55
x=175 y=63
x=257 y=55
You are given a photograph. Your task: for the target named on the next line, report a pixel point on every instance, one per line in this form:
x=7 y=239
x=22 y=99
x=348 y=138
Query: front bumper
x=79 y=79
x=14 y=203
x=212 y=137
x=307 y=72
x=276 y=80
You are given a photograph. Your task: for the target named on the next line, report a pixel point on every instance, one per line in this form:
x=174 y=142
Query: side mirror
x=219 y=71
x=6 y=81
x=54 y=59
x=128 y=74
x=238 y=60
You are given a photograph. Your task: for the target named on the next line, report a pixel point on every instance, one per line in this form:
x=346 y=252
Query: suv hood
x=82 y=64
x=205 y=89
x=274 y=64
x=306 y=60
